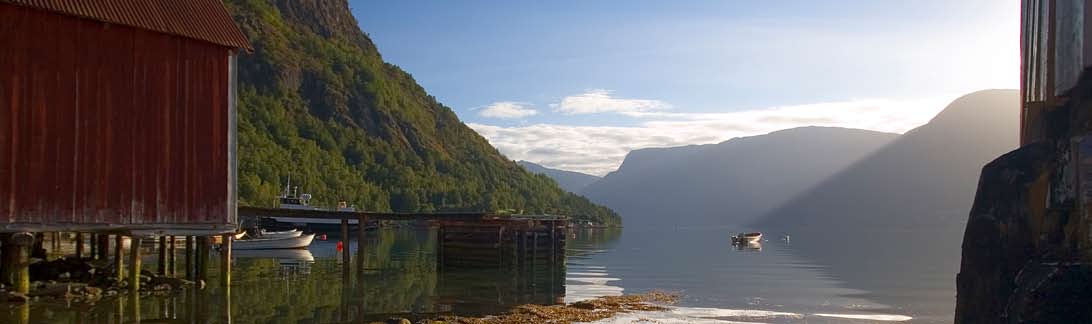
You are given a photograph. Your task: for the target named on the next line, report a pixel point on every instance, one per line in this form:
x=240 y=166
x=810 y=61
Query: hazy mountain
x=732 y=182
x=571 y=181
x=926 y=177
x=317 y=102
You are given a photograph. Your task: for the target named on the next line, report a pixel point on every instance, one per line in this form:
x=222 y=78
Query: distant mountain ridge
x=571 y=181
x=925 y=178
x=818 y=177
x=732 y=182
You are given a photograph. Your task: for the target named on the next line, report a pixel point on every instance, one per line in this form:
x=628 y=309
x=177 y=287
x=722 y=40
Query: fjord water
x=807 y=279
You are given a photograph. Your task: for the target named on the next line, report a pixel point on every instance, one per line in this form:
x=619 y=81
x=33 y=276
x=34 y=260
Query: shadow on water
x=401 y=278
x=912 y=271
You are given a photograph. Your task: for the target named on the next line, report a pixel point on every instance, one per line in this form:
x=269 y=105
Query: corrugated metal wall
x=110 y=125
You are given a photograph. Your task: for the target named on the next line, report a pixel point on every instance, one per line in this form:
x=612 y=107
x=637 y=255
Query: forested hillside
x=318 y=103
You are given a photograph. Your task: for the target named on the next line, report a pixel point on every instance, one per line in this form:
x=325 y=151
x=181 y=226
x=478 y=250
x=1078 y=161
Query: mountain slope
x=318 y=103
x=927 y=177
x=569 y=180
x=732 y=182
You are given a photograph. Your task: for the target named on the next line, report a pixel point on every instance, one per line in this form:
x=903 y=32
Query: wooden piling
x=161 y=265
x=134 y=265
x=79 y=245
x=104 y=246
x=345 y=257
x=360 y=232
x=171 y=257
x=16 y=261
x=189 y=258
x=202 y=258
x=225 y=260
x=94 y=246
x=119 y=254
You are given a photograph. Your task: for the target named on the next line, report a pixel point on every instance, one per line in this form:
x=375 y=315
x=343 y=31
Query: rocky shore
x=87 y=281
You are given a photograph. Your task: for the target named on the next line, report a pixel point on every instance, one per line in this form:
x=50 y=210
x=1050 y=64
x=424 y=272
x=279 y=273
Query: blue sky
x=578 y=84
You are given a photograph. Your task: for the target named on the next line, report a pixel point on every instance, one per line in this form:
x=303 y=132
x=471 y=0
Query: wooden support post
x=189 y=258
x=225 y=260
x=202 y=258
x=134 y=265
x=119 y=257
x=553 y=243
x=440 y=247
x=16 y=261
x=94 y=239
x=104 y=246
x=79 y=245
x=171 y=266
x=360 y=232
x=161 y=265
x=345 y=258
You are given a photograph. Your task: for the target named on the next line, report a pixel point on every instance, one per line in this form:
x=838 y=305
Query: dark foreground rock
x=1016 y=265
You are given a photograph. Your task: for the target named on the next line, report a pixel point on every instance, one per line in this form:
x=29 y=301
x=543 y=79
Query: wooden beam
x=79 y=245
x=134 y=265
x=119 y=260
x=189 y=258
x=16 y=261
x=161 y=266
x=171 y=268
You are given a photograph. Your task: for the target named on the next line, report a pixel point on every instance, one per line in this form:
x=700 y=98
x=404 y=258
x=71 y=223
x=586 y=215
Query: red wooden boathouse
x=118 y=115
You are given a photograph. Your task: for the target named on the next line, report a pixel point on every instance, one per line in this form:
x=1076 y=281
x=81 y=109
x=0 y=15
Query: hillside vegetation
x=318 y=103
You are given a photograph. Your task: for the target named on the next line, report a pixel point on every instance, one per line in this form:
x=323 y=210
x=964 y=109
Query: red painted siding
x=110 y=125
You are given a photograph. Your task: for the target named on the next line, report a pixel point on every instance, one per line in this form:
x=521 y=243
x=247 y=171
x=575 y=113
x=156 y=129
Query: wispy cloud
x=600 y=149
x=508 y=109
x=600 y=101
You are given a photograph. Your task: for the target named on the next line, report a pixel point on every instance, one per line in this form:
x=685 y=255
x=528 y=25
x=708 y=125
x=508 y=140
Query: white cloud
x=601 y=149
x=508 y=109
x=600 y=101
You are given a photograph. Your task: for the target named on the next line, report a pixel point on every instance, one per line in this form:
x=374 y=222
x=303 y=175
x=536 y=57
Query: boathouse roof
x=205 y=20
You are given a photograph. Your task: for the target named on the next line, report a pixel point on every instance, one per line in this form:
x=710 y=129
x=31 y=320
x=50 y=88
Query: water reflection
x=400 y=278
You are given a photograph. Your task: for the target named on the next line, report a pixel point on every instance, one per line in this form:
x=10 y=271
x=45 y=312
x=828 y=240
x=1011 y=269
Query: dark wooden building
x=118 y=115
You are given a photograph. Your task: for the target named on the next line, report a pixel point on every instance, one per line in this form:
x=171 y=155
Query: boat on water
x=298 y=242
x=263 y=234
x=291 y=198
x=747 y=238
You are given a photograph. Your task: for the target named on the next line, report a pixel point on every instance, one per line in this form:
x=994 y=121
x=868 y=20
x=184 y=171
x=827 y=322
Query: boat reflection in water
x=749 y=247
x=401 y=279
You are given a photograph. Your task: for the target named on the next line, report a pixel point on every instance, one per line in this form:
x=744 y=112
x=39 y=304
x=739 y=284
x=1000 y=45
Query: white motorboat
x=291 y=198
x=747 y=238
x=298 y=242
x=279 y=234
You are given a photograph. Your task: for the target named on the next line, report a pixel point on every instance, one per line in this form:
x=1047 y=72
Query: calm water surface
x=881 y=277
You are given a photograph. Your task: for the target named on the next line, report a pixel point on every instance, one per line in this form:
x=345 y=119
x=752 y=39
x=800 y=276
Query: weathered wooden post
x=119 y=257
x=16 y=267
x=134 y=265
x=94 y=245
x=104 y=246
x=202 y=258
x=170 y=257
x=345 y=258
x=161 y=266
x=360 y=229
x=189 y=258
x=225 y=261
x=79 y=245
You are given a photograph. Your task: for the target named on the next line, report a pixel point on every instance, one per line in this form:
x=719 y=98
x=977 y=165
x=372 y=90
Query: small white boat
x=297 y=242
x=280 y=234
x=747 y=238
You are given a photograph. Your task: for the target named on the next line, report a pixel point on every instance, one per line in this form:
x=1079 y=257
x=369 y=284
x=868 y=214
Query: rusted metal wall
x=105 y=125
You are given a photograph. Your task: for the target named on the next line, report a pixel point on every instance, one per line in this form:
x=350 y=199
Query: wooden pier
x=465 y=239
